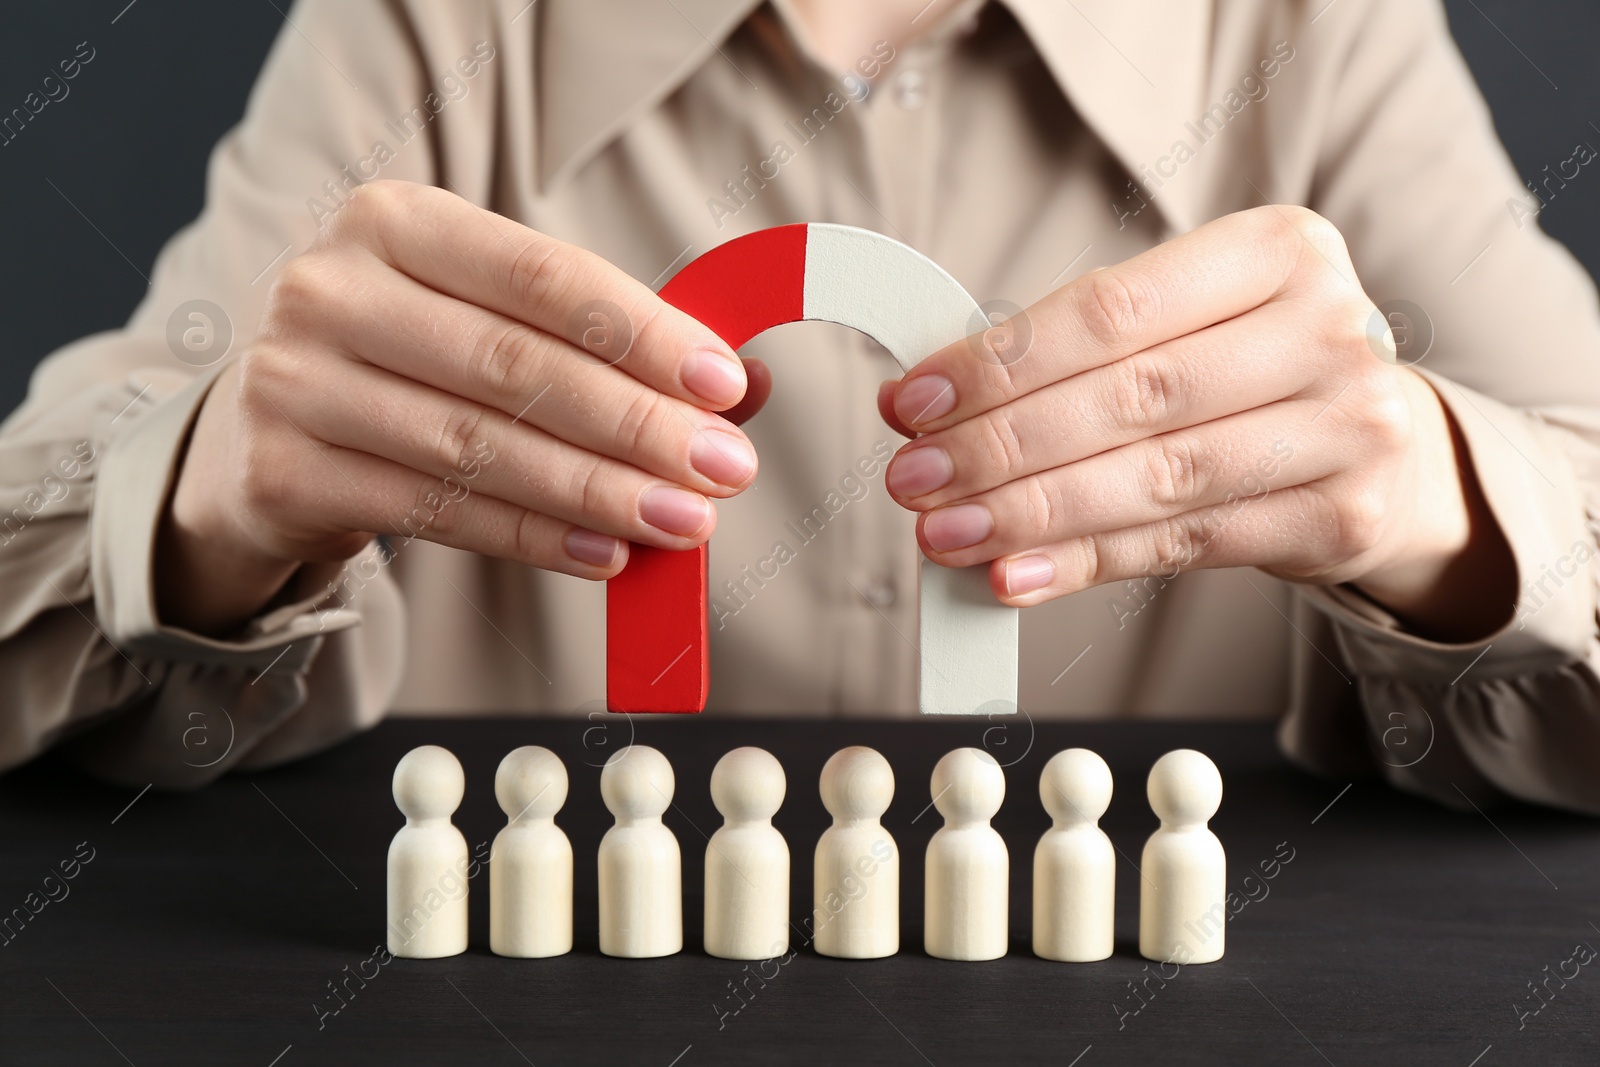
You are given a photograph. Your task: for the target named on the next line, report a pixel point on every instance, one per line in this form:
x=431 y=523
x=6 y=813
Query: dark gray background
x=128 y=145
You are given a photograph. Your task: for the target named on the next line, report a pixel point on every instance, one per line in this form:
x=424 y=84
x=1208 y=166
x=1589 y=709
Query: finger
x=1286 y=531
x=455 y=247
x=530 y=377
x=1238 y=457
x=1208 y=375
x=442 y=437
x=351 y=490
x=886 y=391
x=1223 y=269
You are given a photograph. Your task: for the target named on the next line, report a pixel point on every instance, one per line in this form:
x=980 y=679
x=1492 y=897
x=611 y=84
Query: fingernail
x=674 y=511
x=713 y=377
x=725 y=458
x=1027 y=574
x=959 y=527
x=925 y=399
x=586 y=546
x=920 y=470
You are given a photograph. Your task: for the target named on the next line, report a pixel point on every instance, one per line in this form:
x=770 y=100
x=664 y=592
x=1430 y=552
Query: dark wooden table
x=211 y=928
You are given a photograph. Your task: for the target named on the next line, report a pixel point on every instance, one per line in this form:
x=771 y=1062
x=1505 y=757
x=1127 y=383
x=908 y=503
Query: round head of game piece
x=748 y=783
x=636 y=783
x=1184 y=787
x=1075 y=786
x=857 y=783
x=968 y=785
x=531 y=783
x=428 y=783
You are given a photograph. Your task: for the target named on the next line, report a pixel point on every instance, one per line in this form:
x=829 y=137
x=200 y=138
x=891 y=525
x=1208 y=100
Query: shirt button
x=880 y=592
x=910 y=89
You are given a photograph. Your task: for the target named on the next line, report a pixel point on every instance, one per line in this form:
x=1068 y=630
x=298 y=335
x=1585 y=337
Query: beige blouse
x=1020 y=144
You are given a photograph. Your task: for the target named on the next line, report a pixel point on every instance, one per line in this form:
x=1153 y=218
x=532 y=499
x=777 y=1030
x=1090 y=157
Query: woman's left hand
x=1226 y=399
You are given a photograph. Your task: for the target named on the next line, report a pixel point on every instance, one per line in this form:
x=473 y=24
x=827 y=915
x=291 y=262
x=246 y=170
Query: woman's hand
x=432 y=370
x=1218 y=401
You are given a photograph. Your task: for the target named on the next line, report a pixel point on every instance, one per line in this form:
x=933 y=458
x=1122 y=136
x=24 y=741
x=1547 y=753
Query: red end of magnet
x=657 y=639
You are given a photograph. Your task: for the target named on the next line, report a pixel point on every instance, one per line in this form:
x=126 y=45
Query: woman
x=405 y=386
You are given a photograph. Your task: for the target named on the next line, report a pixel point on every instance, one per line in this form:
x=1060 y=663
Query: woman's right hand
x=430 y=369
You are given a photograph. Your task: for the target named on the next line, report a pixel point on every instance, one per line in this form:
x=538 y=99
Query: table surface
x=208 y=927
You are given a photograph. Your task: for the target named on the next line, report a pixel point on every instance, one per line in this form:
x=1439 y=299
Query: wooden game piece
x=1183 y=891
x=856 y=872
x=747 y=860
x=968 y=870
x=530 y=868
x=656 y=636
x=641 y=870
x=1074 y=865
x=427 y=866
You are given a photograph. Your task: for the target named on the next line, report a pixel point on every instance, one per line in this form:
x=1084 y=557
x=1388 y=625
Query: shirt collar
x=1133 y=88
